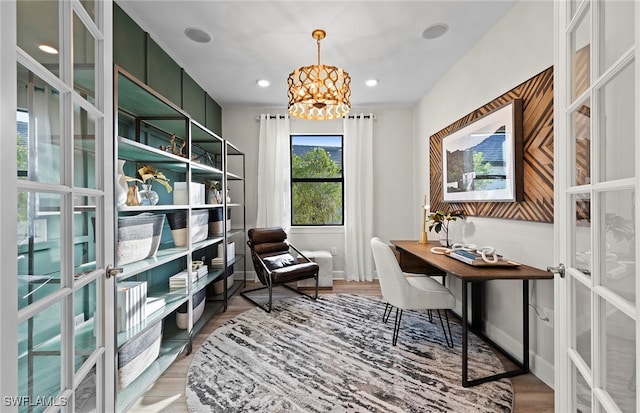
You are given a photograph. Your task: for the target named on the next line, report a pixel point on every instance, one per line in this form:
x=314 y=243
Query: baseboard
x=539 y=367
x=251 y=275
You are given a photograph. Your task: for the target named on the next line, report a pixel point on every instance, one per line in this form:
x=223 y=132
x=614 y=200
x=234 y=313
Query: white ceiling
x=254 y=40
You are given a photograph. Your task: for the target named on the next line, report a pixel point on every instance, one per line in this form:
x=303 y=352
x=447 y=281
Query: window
x=317 y=182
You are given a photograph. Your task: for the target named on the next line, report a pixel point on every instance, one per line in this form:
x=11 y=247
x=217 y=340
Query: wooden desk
x=412 y=254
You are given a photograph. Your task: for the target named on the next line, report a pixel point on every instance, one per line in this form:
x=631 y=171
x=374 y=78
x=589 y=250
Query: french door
x=57 y=175
x=597 y=132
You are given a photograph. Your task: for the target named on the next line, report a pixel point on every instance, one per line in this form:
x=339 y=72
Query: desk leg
x=465 y=335
x=523 y=368
x=525 y=326
x=477 y=301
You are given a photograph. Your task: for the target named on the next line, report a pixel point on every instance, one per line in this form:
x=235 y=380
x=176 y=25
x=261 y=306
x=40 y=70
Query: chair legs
x=267 y=307
x=396 y=326
x=387 y=312
x=448 y=339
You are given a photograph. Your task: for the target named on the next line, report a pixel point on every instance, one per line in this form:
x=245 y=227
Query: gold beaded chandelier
x=319 y=92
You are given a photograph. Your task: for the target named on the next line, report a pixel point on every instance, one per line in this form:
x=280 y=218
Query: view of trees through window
x=316 y=180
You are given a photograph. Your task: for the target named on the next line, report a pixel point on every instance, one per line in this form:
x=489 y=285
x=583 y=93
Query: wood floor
x=168 y=393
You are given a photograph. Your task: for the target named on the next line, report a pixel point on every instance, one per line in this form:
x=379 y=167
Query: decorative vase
x=228 y=197
x=121 y=185
x=148 y=196
x=443 y=237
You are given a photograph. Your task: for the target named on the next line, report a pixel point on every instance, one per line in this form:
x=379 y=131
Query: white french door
x=597 y=134
x=57 y=175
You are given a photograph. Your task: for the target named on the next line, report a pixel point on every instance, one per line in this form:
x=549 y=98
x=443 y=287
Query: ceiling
x=254 y=40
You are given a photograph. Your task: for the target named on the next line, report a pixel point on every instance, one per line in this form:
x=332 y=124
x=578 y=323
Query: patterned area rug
x=335 y=355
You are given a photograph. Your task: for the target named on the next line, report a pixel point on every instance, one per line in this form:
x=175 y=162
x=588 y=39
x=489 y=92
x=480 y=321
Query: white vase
x=121 y=185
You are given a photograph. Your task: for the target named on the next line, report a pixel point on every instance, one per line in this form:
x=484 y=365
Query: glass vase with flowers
x=146 y=176
x=439 y=222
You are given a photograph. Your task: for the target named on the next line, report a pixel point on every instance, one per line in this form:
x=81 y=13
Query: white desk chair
x=404 y=292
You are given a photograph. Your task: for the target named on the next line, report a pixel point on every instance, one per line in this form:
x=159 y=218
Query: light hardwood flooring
x=168 y=392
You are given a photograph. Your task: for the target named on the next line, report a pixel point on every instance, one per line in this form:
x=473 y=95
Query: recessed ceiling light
x=197 y=35
x=262 y=83
x=48 y=49
x=371 y=82
x=435 y=31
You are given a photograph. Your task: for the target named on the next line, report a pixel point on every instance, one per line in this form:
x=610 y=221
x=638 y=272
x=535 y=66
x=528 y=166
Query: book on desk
x=475 y=258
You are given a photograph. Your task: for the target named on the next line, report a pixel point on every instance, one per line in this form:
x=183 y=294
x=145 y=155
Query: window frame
x=293 y=180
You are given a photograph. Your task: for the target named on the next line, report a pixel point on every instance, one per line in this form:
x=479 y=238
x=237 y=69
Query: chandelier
x=319 y=92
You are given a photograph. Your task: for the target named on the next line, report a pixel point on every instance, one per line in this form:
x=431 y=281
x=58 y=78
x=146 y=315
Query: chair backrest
x=395 y=288
x=268 y=241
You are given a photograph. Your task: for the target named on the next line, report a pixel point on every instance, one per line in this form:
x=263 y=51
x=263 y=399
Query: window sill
x=317 y=230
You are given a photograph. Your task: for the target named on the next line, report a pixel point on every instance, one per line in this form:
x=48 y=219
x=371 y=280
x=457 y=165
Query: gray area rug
x=335 y=355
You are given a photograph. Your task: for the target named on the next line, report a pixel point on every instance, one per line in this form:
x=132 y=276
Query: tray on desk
x=481 y=263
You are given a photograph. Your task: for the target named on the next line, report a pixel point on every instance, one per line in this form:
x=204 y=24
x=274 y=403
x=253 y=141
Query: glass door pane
x=39 y=32
x=618 y=246
x=581 y=130
x=617 y=30
x=582 y=394
x=84 y=152
x=617 y=108
x=39 y=360
x=39 y=246
x=581 y=313
x=582 y=247
x=84 y=60
x=618 y=343
x=580 y=56
x=86 y=325
x=38 y=117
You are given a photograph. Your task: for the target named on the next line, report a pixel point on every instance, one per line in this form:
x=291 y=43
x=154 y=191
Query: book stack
x=179 y=280
x=201 y=271
x=218 y=262
x=470 y=257
x=154 y=304
x=132 y=304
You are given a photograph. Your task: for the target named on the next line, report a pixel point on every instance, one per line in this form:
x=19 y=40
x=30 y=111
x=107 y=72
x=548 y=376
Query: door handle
x=557 y=270
x=112 y=271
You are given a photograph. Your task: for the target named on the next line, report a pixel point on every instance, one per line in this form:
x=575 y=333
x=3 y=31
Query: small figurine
x=133 y=197
x=179 y=152
x=171 y=147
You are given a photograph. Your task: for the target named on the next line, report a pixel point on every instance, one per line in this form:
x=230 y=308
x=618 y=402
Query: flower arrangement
x=440 y=220
x=149 y=173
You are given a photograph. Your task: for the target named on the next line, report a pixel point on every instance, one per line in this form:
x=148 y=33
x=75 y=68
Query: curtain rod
x=348 y=116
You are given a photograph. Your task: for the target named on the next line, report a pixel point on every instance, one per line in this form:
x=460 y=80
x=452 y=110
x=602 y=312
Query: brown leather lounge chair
x=274 y=263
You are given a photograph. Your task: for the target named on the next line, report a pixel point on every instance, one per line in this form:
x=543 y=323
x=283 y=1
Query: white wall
x=516 y=49
x=393 y=211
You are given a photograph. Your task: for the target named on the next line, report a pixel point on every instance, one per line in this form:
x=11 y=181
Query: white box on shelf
x=231 y=251
x=194 y=195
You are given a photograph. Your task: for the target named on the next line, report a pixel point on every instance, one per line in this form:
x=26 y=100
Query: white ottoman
x=325 y=274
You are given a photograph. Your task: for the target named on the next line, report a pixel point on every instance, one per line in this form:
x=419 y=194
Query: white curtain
x=274 y=175
x=358 y=214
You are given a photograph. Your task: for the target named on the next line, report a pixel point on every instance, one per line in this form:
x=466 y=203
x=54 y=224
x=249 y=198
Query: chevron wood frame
x=537 y=107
